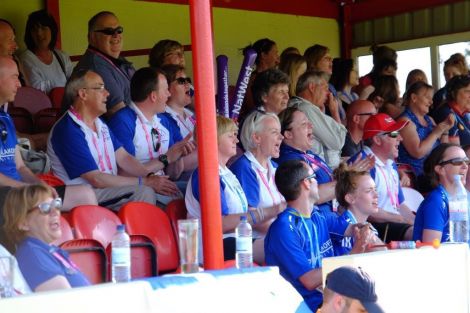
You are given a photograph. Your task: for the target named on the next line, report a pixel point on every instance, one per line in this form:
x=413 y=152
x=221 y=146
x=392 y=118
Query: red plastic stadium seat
x=145 y=219
x=45 y=119
x=56 y=94
x=67 y=233
x=51 y=179
x=94 y=222
x=22 y=119
x=31 y=99
x=143 y=257
x=176 y=210
x=90 y=257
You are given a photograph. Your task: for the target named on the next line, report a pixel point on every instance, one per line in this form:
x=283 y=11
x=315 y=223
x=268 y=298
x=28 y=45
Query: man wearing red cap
x=381 y=138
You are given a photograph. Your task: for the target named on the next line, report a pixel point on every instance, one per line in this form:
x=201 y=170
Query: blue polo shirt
x=321 y=169
x=288 y=245
x=38 y=263
x=133 y=130
x=8 y=146
x=433 y=214
x=257 y=182
x=75 y=149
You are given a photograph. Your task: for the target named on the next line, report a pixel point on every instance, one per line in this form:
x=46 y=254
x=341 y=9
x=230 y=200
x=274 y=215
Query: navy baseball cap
x=354 y=283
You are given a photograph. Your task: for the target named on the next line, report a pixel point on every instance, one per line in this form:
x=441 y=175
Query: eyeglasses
x=393 y=134
x=46 y=207
x=155 y=139
x=455 y=161
x=99 y=88
x=368 y=113
x=3 y=131
x=183 y=80
x=313 y=175
x=110 y=31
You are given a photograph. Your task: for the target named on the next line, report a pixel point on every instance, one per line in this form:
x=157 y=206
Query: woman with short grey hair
x=261 y=138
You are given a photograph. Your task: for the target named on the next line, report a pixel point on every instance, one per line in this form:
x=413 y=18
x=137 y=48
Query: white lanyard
x=95 y=143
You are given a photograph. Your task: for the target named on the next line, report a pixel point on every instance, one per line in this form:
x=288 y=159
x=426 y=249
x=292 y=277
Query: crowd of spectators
x=345 y=147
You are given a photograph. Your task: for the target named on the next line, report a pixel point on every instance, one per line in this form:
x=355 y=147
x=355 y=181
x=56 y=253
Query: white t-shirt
x=45 y=76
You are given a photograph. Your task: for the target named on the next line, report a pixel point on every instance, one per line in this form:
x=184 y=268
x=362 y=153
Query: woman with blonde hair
x=357 y=195
x=233 y=199
x=32 y=223
x=293 y=65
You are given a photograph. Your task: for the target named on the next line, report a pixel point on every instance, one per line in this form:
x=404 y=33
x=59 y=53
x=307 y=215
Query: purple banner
x=222 y=86
x=242 y=83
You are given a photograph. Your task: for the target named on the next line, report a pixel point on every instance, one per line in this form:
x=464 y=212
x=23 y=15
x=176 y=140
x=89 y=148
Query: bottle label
x=244 y=244
x=121 y=256
x=458 y=211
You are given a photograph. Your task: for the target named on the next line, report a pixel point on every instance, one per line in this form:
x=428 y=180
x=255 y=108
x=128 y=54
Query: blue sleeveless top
x=423 y=133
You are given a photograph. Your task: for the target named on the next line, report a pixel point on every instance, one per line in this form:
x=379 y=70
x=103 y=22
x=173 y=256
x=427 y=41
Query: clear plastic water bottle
x=244 y=243
x=458 y=213
x=121 y=256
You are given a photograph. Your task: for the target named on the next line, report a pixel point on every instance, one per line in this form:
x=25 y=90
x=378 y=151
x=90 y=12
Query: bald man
x=103 y=56
x=13 y=171
x=357 y=114
x=8 y=44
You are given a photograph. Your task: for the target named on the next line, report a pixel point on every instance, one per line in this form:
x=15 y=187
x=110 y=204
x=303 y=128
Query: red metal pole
x=201 y=41
x=52 y=7
x=346 y=30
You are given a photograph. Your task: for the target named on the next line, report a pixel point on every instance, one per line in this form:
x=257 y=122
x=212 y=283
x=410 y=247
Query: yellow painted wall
x=145 y=23
x=16 y=12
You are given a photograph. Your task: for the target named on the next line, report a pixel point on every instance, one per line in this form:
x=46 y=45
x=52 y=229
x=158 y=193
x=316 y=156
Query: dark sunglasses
x=46 y=207
x=3 y=131
x=155 y=139
x=367 y=113
x=183 y=80
x=393 y=134
x=455 y=162
x=110 y=31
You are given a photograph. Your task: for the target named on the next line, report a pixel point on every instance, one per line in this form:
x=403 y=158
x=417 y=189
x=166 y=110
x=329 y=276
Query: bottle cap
x=243 y=218
x=121 y=227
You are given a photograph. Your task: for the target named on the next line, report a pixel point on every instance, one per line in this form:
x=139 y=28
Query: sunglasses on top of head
x=110 y=31
x=183 y=80
x=46 y=207
x=155 y=139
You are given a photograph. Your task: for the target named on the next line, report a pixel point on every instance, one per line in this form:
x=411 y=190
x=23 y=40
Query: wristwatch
x=164 y=159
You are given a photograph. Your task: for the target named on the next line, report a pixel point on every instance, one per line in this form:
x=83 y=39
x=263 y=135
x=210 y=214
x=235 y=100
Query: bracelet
x=150 y=174
x=252 y=214
x=260 y=213
x=140 y=180
x=445 y=134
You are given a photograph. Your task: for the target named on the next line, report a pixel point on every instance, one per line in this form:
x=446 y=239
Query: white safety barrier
x=420 y=280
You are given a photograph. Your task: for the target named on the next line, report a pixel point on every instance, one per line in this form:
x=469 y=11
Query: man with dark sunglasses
x=356 y=115
x=103 y=57
x=381 y=137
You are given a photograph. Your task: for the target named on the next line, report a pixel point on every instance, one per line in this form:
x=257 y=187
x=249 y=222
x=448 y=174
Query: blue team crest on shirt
x=346 y=242
x=327 y=246
x=6 y=154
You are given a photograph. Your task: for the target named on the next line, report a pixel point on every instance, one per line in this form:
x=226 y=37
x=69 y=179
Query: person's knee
x=145 y=194
x=78 y=195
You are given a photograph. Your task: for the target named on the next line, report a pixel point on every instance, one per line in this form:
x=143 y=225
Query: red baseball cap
x=381 y=123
